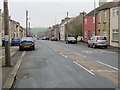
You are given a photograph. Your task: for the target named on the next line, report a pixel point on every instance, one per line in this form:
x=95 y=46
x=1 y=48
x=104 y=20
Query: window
x=104 y=33
x=85 y=20
x=99 y=17
x=115 y=12
x=85 y=34
x=93 y=19
x=105 y=15
x=115 y=35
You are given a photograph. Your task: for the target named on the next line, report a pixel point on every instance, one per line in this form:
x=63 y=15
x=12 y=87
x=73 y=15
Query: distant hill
x=36 y=30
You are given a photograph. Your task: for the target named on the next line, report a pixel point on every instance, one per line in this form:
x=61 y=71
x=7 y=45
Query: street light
x=26 y=23
x=29 y=26
x=94 y=19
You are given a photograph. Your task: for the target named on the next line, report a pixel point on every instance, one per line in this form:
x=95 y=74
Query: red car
x=54 y=39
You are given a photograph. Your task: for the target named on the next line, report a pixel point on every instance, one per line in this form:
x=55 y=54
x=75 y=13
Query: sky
x=45 y=13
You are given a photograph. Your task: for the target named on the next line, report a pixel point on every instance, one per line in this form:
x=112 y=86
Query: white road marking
x=56 y=50
x=79 y=54
x=67 y=49
x=87 y=51
x=63 y=55
x=83 y=68
x=106 y=51
x=108 y=65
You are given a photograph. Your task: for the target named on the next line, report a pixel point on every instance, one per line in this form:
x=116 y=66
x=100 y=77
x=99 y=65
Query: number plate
x=26 y=46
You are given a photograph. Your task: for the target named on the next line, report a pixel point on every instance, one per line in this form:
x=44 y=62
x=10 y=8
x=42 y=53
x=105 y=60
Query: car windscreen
x=16 y=39
x=71 y=38
x=102 y=38
x=26 y=42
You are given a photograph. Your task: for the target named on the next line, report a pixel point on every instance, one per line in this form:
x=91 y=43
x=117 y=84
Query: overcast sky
x=44 y=14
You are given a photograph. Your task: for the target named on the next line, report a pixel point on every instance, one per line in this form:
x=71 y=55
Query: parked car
x=54 y=39
x=71 y=40
x=98 y=41
x=44 y=38
x=15 y=41
x=27 y=43
x=3 y=42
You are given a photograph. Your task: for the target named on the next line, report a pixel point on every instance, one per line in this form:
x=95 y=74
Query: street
x=59 y=65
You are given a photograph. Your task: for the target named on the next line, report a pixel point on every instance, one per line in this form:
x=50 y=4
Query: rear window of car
x=102 y=38
x=26 y=42
x=16 y=39
x=71 y=38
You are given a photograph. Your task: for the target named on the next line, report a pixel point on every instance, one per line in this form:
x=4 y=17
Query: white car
x=98 y=41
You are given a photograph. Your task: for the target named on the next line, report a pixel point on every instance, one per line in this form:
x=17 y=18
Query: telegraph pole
x=119 y=45
x=26 y=23
x=7 y=39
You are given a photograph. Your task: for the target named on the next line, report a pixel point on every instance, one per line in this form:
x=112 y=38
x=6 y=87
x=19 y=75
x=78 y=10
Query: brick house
x=89 y=26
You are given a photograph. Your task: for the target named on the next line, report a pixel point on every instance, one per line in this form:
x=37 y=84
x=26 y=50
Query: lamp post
x=94 y=19
x=26 y=23
x=29 y=26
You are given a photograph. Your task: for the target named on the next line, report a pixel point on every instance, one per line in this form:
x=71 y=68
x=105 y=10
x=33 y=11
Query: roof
x=103 y=7
x=108 y=5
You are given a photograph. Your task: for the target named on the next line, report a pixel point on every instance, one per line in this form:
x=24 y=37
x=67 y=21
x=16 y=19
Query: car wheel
x=106 y=47
x=88 y=45
x=94 y=46
x=20 y=49
x=33 y=48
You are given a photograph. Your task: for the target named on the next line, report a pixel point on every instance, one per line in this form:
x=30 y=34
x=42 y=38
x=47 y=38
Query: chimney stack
x=101 y=2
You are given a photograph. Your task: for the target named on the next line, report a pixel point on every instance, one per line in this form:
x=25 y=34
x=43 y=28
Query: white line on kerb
x=63 y=55
x=84 y=68
x=108 y=65
x=79 y=54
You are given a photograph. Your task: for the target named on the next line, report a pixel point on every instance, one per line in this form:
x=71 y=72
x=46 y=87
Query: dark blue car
x=15 y=41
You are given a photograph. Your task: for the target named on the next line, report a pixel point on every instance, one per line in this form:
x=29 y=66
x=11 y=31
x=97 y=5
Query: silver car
x=98 y=41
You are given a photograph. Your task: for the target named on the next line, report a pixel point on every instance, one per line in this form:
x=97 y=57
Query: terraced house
x=0 y=28
x=114 y=31
x=104 y=17
x=15 y=29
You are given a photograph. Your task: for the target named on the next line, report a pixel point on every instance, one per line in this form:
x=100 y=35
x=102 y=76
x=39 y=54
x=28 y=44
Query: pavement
x=7 y=70
x=60 y=65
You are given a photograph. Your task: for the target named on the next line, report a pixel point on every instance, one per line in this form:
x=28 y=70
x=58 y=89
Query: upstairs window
x=93 y=19
x=85 y=20
x=99 y=18
x=115 y=12
x=104 y=17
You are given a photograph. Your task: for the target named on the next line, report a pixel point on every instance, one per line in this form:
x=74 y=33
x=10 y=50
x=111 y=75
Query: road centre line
x=63 y=55
x=108 y=65
x=84 y=68
x=79 y=54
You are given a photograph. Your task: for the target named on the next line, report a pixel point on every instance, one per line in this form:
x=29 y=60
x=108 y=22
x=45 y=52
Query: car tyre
x=33 y=48
x=94 y=46
x=106 y=47
x=88 y=45
x=20 y=49
x=66 y=42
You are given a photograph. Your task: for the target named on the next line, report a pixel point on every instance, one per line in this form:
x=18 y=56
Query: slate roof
x=103 y=7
